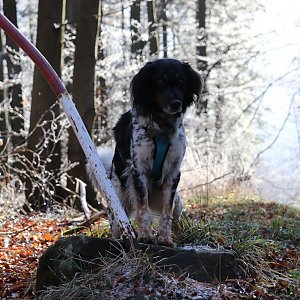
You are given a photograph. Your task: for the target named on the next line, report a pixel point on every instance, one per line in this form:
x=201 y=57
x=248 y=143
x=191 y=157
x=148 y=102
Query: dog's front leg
x=143 y=216
x=165 y=226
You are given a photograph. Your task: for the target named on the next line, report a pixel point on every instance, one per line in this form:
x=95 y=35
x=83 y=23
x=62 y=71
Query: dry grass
x=265 y=235
x=130 y=276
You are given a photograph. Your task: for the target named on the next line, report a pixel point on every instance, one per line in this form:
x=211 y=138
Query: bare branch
x=206 y=183
x=277 y=135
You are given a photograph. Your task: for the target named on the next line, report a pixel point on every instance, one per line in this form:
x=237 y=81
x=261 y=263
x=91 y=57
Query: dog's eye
x=181 y=82
x=160 y=82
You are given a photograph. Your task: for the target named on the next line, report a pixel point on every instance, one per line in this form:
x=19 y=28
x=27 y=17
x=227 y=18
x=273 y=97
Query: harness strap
x=160 y=152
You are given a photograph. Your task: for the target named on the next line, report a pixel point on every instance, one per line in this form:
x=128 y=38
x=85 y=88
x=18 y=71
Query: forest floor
x=265 y=235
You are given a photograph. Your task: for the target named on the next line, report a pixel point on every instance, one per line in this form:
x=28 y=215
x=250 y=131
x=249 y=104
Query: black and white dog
x=150 y=146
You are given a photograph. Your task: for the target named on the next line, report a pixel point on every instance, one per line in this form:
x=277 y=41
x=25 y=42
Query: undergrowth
x=265 y=236
x=131 y=275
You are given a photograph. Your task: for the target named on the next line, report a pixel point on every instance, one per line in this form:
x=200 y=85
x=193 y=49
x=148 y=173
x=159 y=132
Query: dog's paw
x=164 y=231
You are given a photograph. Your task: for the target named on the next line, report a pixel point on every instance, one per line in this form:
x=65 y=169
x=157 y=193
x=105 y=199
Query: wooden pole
x=78 y=126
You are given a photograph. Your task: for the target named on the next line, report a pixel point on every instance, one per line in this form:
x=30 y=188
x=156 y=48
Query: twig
x=93 y=218
x=81 y=190
x=206 y=183
x=258 y=98
x=277 y=135
x=24 y=229
x=87 y=223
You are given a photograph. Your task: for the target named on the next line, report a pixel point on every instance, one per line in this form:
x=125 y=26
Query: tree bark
x=100 y=131
x=201 y=36
x=84 y=86
x=3 y=115
x=49 y=43
x=164 y=27
x=152 y=21
x=201 y=49
x=16 y=118
x=137 y=44
x=72 y=10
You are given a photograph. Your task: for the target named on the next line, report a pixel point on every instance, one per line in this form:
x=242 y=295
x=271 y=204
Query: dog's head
x=165 y=86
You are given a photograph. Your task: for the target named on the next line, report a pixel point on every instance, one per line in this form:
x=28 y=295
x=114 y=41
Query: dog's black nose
x=175 y=106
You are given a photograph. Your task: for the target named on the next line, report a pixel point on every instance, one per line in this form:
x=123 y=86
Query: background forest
x=97 y=47
x=243 y=139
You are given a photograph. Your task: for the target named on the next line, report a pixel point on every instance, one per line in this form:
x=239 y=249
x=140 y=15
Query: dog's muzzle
x=174 y=107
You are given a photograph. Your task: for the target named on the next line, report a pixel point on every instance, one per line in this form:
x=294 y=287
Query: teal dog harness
x=161 y=147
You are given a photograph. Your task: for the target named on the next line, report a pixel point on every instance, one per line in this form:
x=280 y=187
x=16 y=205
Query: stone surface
x=199 y=262
x=77 y=254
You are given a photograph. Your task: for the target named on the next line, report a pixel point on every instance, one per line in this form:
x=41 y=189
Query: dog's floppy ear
x=194 y=85
x=141 y=91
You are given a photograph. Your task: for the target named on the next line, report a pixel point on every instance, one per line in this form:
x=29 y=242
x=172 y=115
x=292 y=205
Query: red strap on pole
x=36 y=56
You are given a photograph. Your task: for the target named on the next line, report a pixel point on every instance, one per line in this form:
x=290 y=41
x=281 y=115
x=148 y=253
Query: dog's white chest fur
x=142 y=146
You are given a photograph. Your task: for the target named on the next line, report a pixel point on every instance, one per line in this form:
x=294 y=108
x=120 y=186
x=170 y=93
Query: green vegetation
x=265 y=235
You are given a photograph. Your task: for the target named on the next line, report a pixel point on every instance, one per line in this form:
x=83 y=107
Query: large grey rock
x=77 y=254
x=199 y=262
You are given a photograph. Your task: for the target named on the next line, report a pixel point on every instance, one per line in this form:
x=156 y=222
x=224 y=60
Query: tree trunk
x=72 y=10
x=201 y=37
x=3 y=115
x=16 y=118
x=164 y=26
x=49 y=43
x=202 y=105
x=201 y=48
x=152 y=21
x=100 y=131
x=84 y=86
x=137 y=44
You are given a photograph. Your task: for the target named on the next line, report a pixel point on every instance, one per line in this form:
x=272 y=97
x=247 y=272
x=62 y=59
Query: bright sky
x=279 y=170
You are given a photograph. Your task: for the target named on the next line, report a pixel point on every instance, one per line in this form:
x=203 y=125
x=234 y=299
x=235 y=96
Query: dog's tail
x=106 y=155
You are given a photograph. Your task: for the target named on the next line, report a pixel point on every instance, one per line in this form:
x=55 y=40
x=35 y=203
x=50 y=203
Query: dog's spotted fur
x=161 y=92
